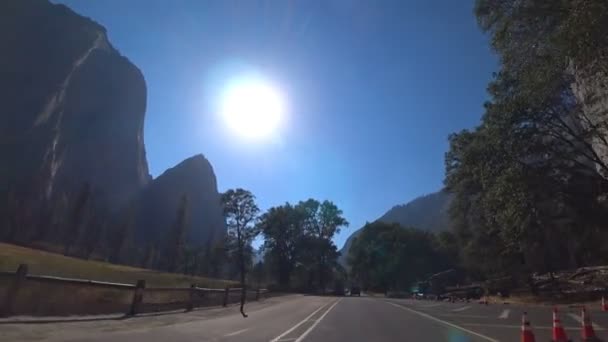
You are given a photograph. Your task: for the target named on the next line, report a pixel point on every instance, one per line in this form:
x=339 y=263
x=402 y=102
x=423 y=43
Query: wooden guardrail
x=14 y=283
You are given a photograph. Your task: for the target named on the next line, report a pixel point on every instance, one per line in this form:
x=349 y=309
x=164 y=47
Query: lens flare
x=252 y=108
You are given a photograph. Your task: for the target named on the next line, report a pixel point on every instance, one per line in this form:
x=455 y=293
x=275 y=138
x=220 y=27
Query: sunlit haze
x=350 y=101
x=245 y=170
x=252 y=108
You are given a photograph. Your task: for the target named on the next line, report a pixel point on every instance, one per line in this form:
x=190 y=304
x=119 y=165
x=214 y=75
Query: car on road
x=355 y=291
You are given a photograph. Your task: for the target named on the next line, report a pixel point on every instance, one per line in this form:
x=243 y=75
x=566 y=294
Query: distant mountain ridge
x=428 y=212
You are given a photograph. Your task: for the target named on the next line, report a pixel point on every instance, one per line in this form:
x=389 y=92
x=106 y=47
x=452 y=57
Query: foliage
x=79 y=214
x=177 y=235
x=55 y=264
x=390 y=257
x=297 y=239
x=529 y=182
x=282 y=228
x=320 y=222
x=240 y=211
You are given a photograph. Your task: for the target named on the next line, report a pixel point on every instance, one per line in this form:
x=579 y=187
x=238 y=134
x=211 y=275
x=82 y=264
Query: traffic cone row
x=558 y=333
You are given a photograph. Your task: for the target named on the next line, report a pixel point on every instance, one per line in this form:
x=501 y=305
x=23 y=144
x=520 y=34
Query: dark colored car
x=355 y=291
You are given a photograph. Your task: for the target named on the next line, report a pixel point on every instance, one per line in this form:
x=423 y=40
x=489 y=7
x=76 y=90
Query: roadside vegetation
x=45 y=263
x=298 y=253
x=529 y=187
x=530 y=182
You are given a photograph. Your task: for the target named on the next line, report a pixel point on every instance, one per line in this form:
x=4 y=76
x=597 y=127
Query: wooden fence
x=25 y=294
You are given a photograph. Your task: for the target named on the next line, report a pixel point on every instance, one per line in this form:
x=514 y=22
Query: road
x=299 y=318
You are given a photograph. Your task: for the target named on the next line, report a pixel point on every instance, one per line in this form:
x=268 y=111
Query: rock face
x=591 y=91
x=158 y=203
x=72 y=107
x=429 y=212
x=71 y=113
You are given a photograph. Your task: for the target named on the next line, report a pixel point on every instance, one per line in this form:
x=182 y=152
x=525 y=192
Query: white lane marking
x=580 y=320
x=317 y=322
x=236 y=332
x=461 y=309
x=519 y=326
x=276 y=339
x=505 y=314
x=430 y=306
x=464 y=316
x=444 y=322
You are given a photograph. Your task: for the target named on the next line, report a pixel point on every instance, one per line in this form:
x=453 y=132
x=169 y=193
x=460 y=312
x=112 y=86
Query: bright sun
x=253 y=108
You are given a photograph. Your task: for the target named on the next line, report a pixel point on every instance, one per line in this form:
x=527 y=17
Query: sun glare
x=253 y=109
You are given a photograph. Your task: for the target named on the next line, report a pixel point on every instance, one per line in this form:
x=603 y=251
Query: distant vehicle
x=355 y=291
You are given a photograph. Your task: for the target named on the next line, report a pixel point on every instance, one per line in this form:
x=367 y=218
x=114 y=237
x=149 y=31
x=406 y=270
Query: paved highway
x=325 y=319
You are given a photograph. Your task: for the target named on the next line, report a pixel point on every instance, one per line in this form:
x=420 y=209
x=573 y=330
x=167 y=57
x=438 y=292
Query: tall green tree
x=321 y=221
x=554 y=71
x=389 y=257
x=282 y=228
x=528 y=181
x=176 y=242
x=241 y=211
x=120 y=236
x=79 y=214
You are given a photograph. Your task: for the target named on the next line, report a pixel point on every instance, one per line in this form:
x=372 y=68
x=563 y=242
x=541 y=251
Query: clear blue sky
x=374 y=88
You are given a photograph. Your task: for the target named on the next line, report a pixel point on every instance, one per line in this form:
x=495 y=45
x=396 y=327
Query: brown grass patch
x=46 y=263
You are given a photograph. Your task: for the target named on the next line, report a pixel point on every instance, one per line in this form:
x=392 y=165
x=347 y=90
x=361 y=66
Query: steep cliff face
x=72 y=108
x=158 y=203
x=429 y=212
x=72 y=113
x=591 y=90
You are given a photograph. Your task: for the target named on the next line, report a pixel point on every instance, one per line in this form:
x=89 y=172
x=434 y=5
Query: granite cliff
x=72 y=106
x=71 y=118
x=158 y=203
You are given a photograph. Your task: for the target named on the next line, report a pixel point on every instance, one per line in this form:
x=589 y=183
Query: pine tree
x=78 y=216
x=177 y=236
x=241 y=212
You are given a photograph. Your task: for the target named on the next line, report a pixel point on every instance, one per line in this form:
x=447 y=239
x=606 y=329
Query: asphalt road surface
x=325 y=319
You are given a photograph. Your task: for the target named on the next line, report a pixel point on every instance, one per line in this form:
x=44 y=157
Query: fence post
x=13 y=289
x=138 y=296
x=226 y=294
x=190 y=305
x=257 y=294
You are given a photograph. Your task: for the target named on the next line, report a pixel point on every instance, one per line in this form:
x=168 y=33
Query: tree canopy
x=387 y=256
x=530 y=181
x=298 y=238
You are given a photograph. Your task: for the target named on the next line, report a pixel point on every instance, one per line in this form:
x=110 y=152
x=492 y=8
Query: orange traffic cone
x=587 y=334
x=604 y=307
x=526 y=330
x=559 y=334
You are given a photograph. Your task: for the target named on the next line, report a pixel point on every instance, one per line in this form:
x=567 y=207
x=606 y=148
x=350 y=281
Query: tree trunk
x=243 y=292
x=284 y=275
x=242 y=269
x=322 y=273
